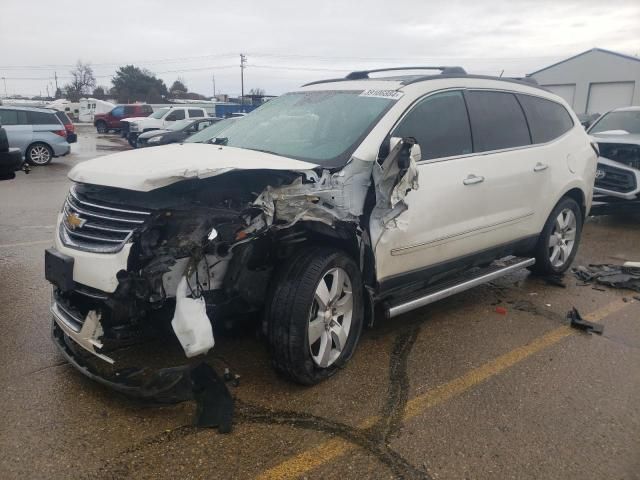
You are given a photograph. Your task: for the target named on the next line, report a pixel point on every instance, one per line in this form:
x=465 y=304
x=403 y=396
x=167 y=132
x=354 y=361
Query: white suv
x=316 y=207
x=160 y=118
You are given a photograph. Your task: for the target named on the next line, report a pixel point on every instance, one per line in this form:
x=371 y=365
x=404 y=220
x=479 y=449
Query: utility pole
x=5 y=87
x=213 y=79
x=243 y=61
x=55 y=75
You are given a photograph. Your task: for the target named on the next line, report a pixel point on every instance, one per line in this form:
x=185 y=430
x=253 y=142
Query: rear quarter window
x=497 y=121
x=547 y=119
x=195 y=113
x=42 y=118
x=63 y=118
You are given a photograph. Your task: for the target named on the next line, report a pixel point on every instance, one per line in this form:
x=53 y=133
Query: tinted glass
x=41 y=118
x=440 y=125
x=175 y=115
x=210 y=132
x=547 y=120
x=118 y=111
x=8 y=117
x=196 y=113
x=628 y=121
x=129 y=110
x=63 y=118
x=497 y=121
x=146 y=109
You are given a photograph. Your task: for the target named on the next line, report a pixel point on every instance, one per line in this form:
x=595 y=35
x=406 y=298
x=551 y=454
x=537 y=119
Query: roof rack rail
x=361 y=74
x=526 y=79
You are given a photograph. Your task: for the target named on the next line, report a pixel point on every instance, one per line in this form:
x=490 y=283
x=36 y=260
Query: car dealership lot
x=453 y=390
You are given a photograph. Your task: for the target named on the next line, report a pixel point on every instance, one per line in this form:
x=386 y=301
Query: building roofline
x=628 y=57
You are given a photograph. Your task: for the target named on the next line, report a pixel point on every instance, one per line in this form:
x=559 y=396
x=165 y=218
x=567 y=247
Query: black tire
x=289 y=309
x=133 y=142
x=101 y=127
x=543 y=251
x=39 y=154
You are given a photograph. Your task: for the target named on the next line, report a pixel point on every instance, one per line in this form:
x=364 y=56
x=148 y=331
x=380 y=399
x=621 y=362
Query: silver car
x=37 y=132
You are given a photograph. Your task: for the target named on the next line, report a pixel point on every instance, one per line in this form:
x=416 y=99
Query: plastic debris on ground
x=576 y=321
x=501 y=310
x=616 y=276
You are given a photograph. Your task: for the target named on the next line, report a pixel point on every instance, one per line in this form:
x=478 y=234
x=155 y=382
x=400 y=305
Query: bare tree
x=82 y=81
x=257 y=92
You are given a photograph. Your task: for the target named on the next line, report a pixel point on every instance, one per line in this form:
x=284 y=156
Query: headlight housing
x=155 y=139
x=133 y=127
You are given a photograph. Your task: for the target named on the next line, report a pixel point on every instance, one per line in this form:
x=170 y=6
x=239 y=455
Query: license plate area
x=58 y=269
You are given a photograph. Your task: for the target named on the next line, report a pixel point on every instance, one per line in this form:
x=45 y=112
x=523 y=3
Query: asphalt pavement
x=451 y=391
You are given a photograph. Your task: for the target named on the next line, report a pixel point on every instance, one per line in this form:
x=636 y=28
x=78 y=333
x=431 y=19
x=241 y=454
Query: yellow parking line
x=316 y=456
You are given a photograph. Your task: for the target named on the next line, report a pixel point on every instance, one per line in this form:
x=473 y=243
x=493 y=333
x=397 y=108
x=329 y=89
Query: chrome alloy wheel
x=563 y=238
x=330 y=317
x=39 y=154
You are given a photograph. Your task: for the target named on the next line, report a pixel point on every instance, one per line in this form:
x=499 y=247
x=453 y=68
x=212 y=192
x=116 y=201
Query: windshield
x=179 y=125
x=210 y=132
x=159 y=113
x=628 y=121
x=322 y=127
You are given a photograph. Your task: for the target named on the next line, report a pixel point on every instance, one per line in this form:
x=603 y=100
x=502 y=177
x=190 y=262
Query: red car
x=72 y=137
x=111 y=121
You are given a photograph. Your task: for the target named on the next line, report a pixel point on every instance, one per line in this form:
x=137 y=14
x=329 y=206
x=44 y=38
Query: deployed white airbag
x=191 y=323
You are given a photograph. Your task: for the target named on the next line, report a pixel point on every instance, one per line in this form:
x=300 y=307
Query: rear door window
x=175 y=115
x=129 y=110
x=440 y=125
x=195 y=113
x=548 y=120
x=497 y=121
x=42 y=118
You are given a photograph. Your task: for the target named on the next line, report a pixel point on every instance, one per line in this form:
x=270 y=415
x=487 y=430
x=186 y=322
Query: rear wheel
x=315 y=314
x=39 y=154
x=558 y=242
x=101 y=127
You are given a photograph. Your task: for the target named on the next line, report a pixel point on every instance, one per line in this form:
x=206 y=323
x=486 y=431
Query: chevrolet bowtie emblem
x=74 y=221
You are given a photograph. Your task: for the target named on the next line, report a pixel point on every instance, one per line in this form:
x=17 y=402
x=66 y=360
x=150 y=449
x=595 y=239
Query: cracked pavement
x=453 y=390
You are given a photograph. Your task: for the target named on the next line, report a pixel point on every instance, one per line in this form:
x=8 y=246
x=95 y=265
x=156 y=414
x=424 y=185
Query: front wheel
x=558 y=243
x=315 y=314
x=39 y=154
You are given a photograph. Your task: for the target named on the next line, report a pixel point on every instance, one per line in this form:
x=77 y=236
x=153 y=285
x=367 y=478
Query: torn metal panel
x=393 y=179
x=325 y=198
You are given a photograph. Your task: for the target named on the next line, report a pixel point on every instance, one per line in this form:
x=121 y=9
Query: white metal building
x=594 y=81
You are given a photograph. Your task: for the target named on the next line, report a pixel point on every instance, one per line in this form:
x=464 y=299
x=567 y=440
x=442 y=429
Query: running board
x=445 y=289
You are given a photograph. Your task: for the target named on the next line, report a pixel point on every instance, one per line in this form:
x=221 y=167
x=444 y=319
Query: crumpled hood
x=150 y=168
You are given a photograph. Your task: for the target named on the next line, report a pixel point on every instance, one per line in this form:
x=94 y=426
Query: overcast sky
x=288 y=42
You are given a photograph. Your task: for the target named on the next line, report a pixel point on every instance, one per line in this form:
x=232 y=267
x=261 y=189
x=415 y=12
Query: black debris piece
x=616 y=276
x=576 y=321
x=555 y=280
x=214 y=402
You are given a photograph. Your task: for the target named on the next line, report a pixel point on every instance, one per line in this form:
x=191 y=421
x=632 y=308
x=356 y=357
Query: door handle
x=473 y=179
x=540 y=167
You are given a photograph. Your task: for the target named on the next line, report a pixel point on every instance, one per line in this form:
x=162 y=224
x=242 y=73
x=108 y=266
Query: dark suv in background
x=112 y=120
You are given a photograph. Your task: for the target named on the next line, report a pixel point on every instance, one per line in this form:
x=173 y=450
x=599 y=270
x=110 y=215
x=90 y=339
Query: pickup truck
x=161 y=118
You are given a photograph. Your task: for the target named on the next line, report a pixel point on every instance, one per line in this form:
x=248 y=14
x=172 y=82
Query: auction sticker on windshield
x=390 y=94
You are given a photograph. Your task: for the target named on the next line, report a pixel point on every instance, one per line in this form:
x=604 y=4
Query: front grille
x=87 y=225
x=616 y=179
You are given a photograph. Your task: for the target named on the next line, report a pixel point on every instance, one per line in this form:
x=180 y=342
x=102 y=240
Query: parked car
x=160 y=119
x=311 y=211
x=617 y=184
x=105 y=122
x=175 y=133
x=72 y=137
x=210 y=133
x=10 y=158
x=37 y=132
